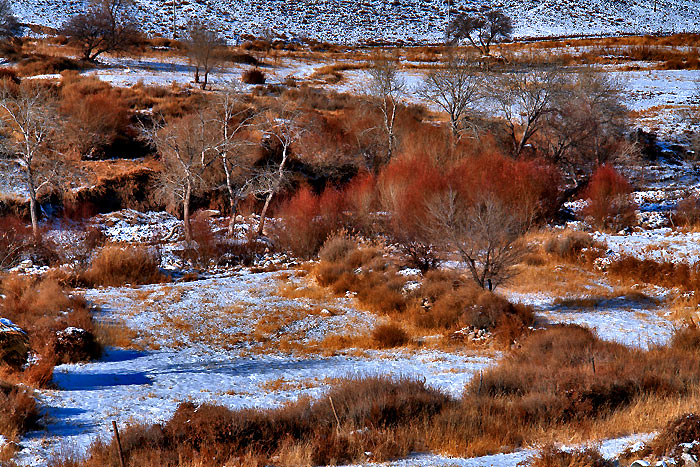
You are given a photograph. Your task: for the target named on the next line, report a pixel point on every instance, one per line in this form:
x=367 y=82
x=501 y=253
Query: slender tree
x=523 y=98
x=204 y=47
x=385 y=90
x=28 y=115
x=188 y=149
x=454 y=88
x=283 y=131
x=233 y=119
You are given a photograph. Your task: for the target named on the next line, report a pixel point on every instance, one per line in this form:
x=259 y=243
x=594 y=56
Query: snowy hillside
x=348 y=21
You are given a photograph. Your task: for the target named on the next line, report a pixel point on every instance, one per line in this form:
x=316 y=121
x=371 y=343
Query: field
x=306 y=261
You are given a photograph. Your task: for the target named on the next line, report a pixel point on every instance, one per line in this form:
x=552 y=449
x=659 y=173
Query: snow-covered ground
x=629 y=322
x=216 y=340
x=345 y=21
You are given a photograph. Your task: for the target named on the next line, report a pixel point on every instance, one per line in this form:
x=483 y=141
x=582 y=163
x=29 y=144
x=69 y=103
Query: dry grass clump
x=561 y=377
x=253 y=76
x=687 y=212
x=572 y=245
x=446 y=301
x=665 y=274
x=683 y=429
x=116 y=266
x=361 y=419
x=365 y=271
x=44 y=310
x=39 y=64
x=390 y=335
x=18 y=411
x=337 y=247
x=550 y=456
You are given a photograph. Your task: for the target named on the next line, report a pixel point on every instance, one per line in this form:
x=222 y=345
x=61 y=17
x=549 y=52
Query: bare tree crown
x=481 y=29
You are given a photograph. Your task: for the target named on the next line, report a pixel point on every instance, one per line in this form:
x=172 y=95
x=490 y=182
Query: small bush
x=18 y=411
x=687 y=212
x=116 y=266
x=549 y=456
x=253 y=76
x=609 y=203
x=568 y=245
x=390 y=335
x=337 y=247
x=683 y=429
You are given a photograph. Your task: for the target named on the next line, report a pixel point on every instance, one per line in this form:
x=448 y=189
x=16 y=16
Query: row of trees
x=575 y=119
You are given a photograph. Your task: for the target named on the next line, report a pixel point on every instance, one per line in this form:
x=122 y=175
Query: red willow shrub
x=609 y=203
x=403 y=187
x=309 y=219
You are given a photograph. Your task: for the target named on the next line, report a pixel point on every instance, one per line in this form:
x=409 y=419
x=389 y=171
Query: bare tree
x=28 y=116
x=9 y=26
x=481 y=29
x=283 y=131
x=233 y=119
x=203 y=49
x=484 y=233
x=385 y=90
x=187 y=148
x=107 y=26
x=454 y=88
x=585 y=123
x=523 y=98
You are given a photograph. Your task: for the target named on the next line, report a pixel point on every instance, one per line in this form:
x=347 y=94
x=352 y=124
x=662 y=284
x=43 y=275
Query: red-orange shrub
x=404 y=187
x=609 y=203
x=309 y=219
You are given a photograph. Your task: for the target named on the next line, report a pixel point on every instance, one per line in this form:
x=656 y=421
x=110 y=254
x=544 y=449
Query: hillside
x=347 y=21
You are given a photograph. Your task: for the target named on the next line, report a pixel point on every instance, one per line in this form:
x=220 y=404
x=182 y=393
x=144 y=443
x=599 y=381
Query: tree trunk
x=233 y=203
x=206 y=80
x=33 y=214
x=186 y=213
x=263 y=214
x=196 y=74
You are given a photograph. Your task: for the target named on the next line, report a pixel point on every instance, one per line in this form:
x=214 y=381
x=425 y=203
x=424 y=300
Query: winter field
x=588 y=348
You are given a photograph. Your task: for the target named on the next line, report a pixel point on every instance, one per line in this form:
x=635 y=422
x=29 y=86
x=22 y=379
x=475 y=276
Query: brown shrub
x=683 y=429
x=38 y=64
x=95 y=116
x=550 y=456
x=687 y=212
x=213 y=434
x=43 y=309
x=665 y=274
x=253 y=76
x=390 y=335
x=337 y=247
x=446 y=301
x=18 y=411
x=568 y=245
x=116 y=266
x=15 y=238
